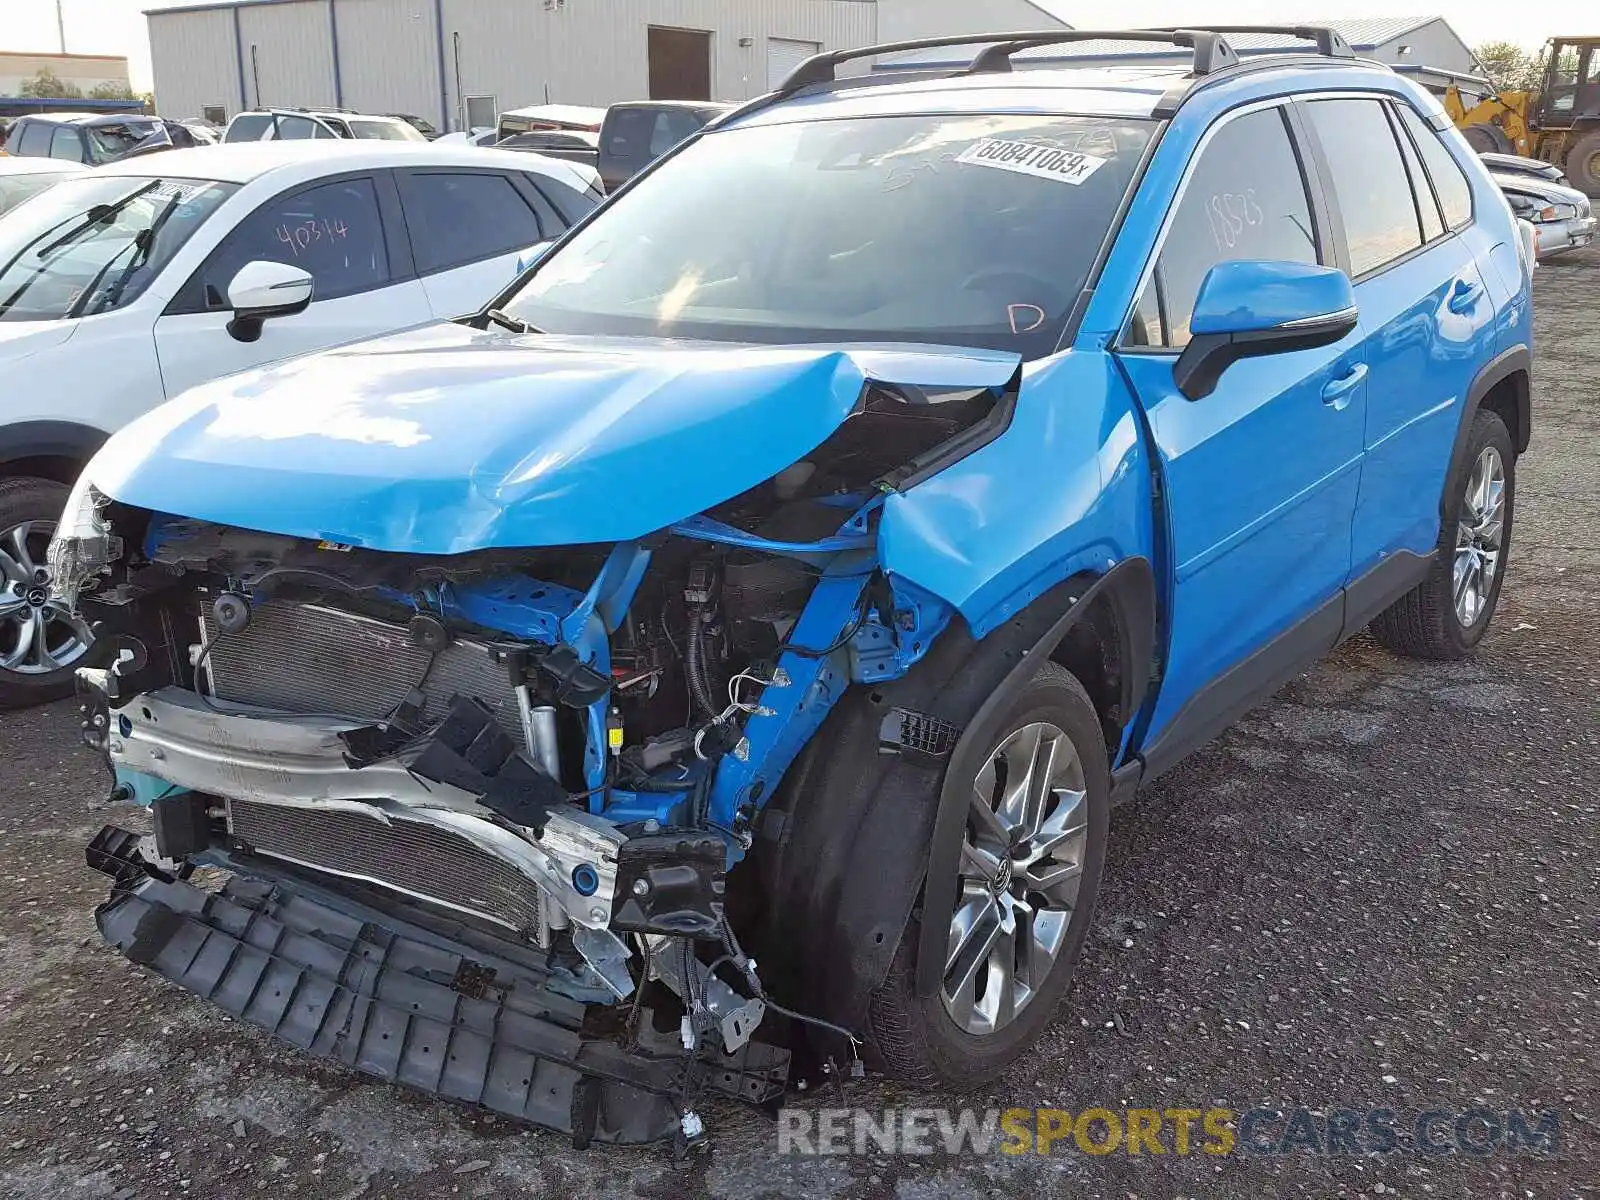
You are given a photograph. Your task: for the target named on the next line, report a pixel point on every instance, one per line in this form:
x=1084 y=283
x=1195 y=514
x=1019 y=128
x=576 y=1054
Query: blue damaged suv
x=721 y=655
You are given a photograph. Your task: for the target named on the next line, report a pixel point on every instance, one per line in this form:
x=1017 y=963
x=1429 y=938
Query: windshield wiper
x=142 y=242
x=506 y=321
x=98 y=215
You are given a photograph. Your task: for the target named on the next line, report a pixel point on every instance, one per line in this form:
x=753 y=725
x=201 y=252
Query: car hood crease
x=449 y=439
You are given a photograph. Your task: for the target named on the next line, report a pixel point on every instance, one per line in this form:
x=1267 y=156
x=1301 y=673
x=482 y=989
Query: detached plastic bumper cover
x=346 y=982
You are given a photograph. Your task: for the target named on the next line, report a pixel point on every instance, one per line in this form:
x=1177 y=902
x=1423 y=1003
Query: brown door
x=680 y=64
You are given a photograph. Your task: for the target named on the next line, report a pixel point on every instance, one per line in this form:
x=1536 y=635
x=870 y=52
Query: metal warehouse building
x=448 y=60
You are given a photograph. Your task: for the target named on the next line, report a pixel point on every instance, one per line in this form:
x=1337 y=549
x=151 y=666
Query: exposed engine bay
x=554 y=757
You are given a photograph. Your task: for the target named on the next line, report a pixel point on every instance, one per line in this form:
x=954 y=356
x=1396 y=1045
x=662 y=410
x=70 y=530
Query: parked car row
x=95 y=138
x=618 y=141
x=127 y=284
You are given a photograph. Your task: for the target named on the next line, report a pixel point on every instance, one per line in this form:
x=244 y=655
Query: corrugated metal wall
x=288 y=54
x=194 y=60
x=520 y=51
x=526 y=51
x=389 y=56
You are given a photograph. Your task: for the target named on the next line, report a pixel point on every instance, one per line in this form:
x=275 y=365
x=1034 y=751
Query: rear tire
x=39 y=646
x=964 y=1036
x=1447 y=614
x=1583 y=164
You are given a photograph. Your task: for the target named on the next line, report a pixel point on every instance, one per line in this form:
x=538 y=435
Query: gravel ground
x=1378 y=891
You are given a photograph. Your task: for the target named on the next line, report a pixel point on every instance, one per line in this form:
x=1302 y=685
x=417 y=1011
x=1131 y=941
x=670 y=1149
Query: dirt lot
x=1378 y=892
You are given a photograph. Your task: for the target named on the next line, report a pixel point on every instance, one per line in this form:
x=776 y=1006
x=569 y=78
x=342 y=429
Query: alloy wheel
x=1021 y=868
x=1480 y=533
x=36 y=637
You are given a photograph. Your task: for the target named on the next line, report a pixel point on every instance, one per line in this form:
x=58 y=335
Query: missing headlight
x=84 y=546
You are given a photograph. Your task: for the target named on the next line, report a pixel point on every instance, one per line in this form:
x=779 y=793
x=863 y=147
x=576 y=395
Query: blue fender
x=1065 y=491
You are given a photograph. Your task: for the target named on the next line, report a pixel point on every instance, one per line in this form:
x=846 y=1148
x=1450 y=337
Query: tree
x=1509 y=67
x=47 y=85
x=111 y=90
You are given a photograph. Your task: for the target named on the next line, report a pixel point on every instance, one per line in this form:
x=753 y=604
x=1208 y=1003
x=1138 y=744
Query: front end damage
x=477 y=817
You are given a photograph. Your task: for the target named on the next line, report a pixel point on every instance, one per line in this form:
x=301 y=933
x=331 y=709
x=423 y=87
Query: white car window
x=94 y=243
x=388 y=131
x=334 y=231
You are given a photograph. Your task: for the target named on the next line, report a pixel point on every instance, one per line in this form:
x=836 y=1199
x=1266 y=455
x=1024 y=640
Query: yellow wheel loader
x=1560 y=123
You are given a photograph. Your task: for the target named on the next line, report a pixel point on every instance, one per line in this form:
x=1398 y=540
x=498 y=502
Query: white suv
x=126 y=285
x=294 y=124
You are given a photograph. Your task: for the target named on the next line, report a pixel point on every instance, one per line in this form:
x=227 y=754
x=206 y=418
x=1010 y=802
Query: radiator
x=411 y=857
x=314 y=660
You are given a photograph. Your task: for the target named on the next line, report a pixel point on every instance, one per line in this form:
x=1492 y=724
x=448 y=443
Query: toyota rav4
x=721 y=655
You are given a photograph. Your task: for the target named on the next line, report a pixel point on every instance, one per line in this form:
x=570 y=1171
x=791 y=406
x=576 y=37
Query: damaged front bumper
x=401 y=995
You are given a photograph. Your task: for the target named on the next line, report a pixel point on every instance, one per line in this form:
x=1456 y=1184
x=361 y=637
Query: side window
x=35 y=140
x=1421 y=189
x=1245 y=198
x=65 y=143
x=569 y=203
x=333 y=231
x=248 y=127
x=458 y=217
x=1449 y=181
x=1369 y=178
x=296 y=129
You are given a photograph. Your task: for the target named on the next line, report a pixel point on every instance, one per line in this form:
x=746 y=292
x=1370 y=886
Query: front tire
x=1583 y=164
x=1447 y=614
x=39 y=644
x=1032 y=855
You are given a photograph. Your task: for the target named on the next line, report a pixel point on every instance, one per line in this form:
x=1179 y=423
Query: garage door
x=784 y=55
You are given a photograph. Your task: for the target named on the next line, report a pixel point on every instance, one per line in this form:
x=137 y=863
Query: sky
x=118 y=26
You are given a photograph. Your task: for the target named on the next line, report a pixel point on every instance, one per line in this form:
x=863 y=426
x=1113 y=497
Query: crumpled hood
x=448 y=439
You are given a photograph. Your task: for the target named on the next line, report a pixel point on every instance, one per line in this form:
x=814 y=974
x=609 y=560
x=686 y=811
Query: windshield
x=94 y=243
x=14 y=189
x=388 y=131
x=107 y=142
x=973 y=230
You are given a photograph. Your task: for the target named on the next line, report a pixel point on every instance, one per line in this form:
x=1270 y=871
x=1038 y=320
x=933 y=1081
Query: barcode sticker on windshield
x=1031 y=158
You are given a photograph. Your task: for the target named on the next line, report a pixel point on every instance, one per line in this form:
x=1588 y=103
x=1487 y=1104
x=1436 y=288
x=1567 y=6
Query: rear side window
x=296 y=129
x=1422 y=190
x=1245 y=198
x=1369 y=179
x=67 y=145
x=1449 y=181
x=334 y=231
x=457 y=217
x=247 y=127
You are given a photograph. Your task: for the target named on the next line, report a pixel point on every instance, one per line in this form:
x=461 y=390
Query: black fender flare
x=843 y=852
x=49 y=439
x=1517 y=362
x=1130 y=589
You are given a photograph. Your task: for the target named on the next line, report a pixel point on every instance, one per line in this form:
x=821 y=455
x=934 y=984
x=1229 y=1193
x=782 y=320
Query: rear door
x=1259 y=478
x=468 y=228
x=1427 y=318
x=347 y=232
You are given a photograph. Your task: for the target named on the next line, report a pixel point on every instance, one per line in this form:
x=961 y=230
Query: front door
x=335 y=230
x=1259 y=478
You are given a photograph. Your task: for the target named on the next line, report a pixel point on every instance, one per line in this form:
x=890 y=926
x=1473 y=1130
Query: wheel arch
x=55 y=450
x=1503 y=386
x=835 y=848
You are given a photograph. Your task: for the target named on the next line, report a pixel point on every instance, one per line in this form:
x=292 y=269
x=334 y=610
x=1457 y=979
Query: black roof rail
x=1328 y=40
x=1211 y=51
